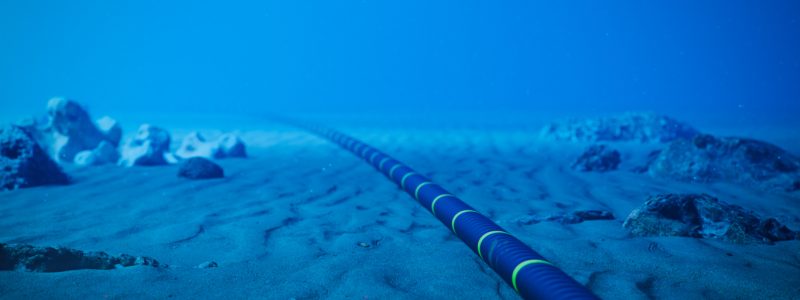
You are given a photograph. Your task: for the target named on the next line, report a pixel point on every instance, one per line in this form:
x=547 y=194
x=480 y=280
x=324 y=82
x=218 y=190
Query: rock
x=208 y=265
x=47 y=259
x=744 y=161
x=23 y=163
x=195 y=145
x=149 y=147
x=110 y=129
x=105 y=153
x=230 y=145
x=73 y=129
x=703 y=216
x=227 y=145
x=575 y=217
x=200 y=168
x=638 y=127
x=598 y=158
x=582 y=215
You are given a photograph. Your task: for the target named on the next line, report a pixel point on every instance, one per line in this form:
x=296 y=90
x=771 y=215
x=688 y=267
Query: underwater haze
x=399 y=149
x=738 y=59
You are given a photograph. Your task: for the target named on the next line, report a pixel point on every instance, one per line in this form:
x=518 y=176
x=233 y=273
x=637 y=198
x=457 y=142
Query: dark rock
x=575 y=217
x=746 y=161
x=591 y=215
x=598 y=158
x=639 y=127
x=703 y=216
x=200 y=168
x=23 y=163
x=150 y=147
x=581 y=216
x=48 y=259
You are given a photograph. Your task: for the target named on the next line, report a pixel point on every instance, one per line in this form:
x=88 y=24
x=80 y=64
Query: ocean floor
x=301 y=218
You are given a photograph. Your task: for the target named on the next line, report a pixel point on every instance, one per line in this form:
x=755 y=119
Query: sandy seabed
x=301 y=218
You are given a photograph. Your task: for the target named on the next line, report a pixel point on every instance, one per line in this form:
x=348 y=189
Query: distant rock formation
x=746 y=161
x=200 y=168
x=598 y=158
x=23 y=163
x=47 y=259
x=150 y=147
x=703 y=216
x=68 y=130
x=638 y=127
x=195 y=145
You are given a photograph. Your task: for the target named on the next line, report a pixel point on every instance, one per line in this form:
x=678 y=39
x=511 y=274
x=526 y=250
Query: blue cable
x=526 y=271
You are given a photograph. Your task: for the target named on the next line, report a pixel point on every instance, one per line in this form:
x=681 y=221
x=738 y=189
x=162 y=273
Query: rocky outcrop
x=23 y=163
x=598 y=158
x=150 y=147
x=703 y=216
x=634 y=127
x=48 y=259
x=200 y=168
x=745 y=161
x=227 y=145
x=67 y=130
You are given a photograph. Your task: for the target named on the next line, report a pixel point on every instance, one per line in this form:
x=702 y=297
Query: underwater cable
x=525 y=270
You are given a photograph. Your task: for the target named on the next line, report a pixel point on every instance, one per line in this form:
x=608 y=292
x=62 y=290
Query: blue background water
x=737 y=59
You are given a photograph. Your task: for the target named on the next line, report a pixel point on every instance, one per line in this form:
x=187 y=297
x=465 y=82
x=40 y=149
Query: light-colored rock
x=149 y=147
x=230 y=145
x=111 y=129
x=227 y=145
x=73 y=130
x=195 y=145
x=105 y=153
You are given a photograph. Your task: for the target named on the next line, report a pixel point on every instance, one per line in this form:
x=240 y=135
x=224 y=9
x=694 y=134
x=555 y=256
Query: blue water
x=739 y=59
x=460 y=90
